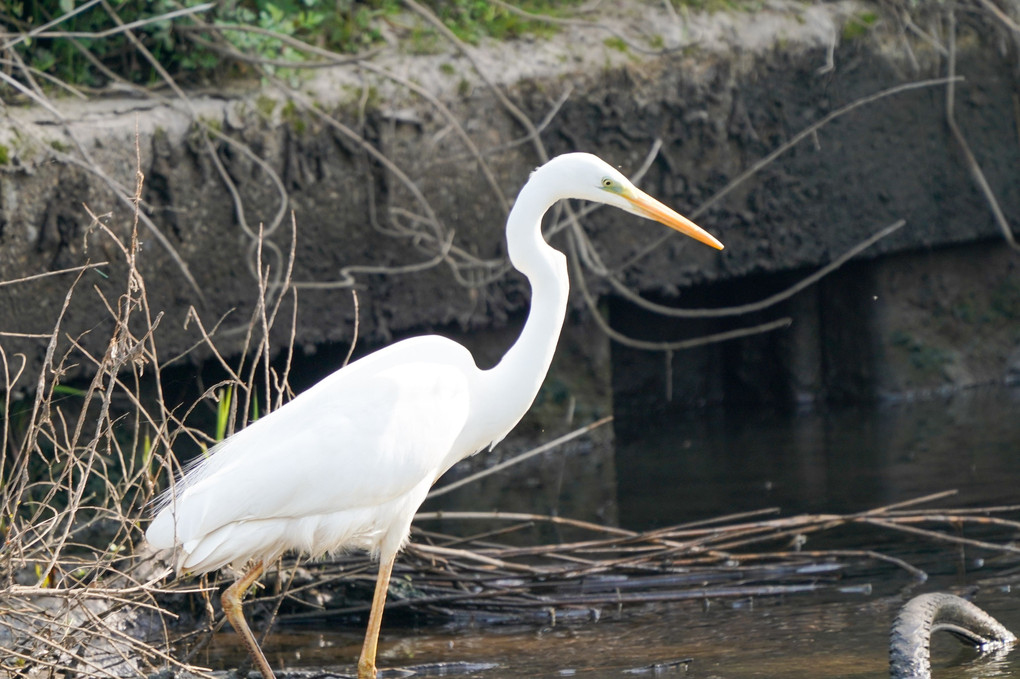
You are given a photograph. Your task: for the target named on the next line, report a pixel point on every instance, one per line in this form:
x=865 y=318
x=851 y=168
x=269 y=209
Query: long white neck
x=514 y=382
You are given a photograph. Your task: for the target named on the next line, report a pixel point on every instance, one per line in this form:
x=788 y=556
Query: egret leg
x=231 y=600
x=366 y=664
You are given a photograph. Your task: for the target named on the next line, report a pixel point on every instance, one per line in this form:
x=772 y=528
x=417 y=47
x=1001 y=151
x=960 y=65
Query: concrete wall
x=736 y=88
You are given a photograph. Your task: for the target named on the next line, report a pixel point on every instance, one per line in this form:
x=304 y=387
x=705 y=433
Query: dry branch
x=614 y=567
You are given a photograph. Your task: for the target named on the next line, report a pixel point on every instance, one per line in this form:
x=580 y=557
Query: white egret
x=348 y=462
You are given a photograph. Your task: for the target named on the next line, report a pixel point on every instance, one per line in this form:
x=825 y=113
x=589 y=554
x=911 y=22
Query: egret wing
x=349 y=443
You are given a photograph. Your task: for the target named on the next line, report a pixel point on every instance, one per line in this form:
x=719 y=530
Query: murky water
x=707 y=464
x=793 y=639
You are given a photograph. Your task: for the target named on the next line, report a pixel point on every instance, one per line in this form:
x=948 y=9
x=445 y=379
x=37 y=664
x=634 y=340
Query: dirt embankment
x=401 y=189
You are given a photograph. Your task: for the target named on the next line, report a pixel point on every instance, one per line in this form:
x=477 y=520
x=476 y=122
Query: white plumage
x=306 y=477
x=347 y=463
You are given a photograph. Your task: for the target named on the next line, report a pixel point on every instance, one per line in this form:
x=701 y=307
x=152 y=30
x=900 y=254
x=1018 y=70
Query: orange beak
x=648 y=207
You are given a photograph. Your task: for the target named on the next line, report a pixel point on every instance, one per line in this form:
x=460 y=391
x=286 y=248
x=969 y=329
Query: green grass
x=183 y=49
x=719 y=5
x=859 y=25
x=472 y=20
x=617 y=44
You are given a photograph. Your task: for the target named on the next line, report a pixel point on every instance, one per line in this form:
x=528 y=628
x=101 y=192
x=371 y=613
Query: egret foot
x=231 y=600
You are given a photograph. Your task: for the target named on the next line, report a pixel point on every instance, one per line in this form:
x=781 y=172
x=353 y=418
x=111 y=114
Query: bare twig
x=555 y=443
x=972 y=164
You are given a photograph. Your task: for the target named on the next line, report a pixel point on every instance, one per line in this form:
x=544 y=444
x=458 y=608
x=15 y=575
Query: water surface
x=705 y=464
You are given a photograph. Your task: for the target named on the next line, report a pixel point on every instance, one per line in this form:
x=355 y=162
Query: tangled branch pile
x=80 y=468
x=605 y=569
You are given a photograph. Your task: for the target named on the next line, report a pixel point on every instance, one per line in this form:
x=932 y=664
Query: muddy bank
x=725 y=91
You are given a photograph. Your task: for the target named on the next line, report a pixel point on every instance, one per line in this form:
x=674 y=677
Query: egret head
x=588 y=177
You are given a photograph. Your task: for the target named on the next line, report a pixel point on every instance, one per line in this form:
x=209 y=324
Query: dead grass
x=81 y=467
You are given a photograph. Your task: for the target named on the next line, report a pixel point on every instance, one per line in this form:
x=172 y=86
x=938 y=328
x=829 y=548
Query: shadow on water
x=799 y=638
x=709 y=463
x=706 y=463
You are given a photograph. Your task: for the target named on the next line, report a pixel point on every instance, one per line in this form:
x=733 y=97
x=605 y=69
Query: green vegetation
x=719 y=5
x=618 y=44
x=857 y=26
x=265 y=105
x=85 y=49
x=1004 y=303
x=293 y=116
x=225 y=397
x=5 y=154
x=1000 y=306
x=923 y=357
x=472 y=20
x=180 y=45
x=65 y=390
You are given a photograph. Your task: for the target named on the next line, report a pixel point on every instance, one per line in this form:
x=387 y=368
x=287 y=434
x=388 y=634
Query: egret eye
x=608 y=183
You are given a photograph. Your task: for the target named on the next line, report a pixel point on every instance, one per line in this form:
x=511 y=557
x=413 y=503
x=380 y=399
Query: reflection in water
x=711 y=463
x=801 y=638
